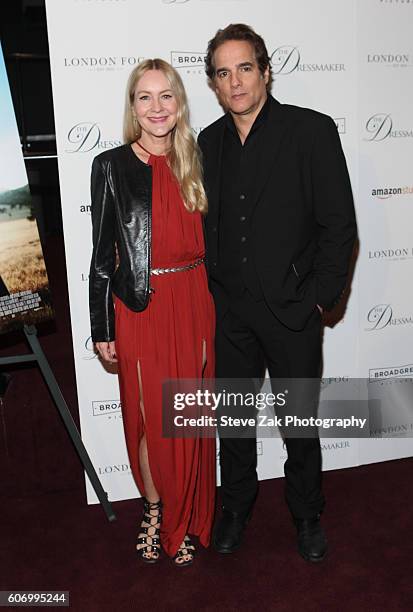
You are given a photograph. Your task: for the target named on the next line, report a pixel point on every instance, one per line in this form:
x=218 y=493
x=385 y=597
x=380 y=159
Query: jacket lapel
x=214 y=176
x=275 y=130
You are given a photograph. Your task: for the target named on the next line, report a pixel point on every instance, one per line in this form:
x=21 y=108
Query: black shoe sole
x=311 y=559
x=223 y=550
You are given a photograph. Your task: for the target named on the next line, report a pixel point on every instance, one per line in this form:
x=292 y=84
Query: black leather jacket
x=121 y=188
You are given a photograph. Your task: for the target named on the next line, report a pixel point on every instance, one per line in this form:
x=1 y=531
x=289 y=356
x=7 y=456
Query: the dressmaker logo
x=90 y=350
x=380 y=126
x=334 y=446
x=100 y=63
x=86 y=136
x=116 y=468
x=106 y=407
x=381 y=316
x=191 y=61
x=390 y=60
x=84 y=277
x=389 y=372
x=384 y=193
x=84 y=209
x=287 y=59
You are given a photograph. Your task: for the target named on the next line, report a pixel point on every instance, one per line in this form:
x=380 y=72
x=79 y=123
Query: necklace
x=148 y=152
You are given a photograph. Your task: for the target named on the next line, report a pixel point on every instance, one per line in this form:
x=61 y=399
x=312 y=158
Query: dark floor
x=50 y=538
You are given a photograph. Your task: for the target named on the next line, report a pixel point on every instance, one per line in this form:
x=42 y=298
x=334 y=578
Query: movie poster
x=24 y=289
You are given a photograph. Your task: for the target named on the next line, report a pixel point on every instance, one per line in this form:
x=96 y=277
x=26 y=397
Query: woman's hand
x=107 y=351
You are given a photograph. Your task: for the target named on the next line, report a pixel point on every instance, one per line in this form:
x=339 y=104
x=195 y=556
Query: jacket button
x=242 y=196
x=242 y=218
x=243 y=238
x=214 y=229
x=244 y=259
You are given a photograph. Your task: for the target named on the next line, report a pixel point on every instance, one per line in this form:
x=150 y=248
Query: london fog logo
x=86 y=136
x=380 y=126
x=397 y=254
x=102 y=62
x=390 y=60
x=287 y=59
x=381 y=316
x=116 y=468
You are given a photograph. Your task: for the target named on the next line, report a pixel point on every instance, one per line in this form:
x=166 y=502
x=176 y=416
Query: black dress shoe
x=312 y=542
x=228 y=532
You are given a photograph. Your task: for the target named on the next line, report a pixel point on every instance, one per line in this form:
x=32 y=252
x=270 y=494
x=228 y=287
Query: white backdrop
x=352 y=60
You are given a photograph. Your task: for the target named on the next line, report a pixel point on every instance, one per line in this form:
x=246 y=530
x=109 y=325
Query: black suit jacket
x=303 y=224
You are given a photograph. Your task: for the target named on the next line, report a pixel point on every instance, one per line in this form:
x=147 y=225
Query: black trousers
x=248 y=339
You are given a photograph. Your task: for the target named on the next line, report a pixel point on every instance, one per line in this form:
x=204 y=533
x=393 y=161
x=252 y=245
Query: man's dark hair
x=239 y=31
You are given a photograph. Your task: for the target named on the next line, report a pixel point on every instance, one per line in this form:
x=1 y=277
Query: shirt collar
x=259 y=120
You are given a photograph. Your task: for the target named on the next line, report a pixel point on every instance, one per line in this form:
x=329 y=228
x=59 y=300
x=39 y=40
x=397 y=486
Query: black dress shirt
x=235 y=270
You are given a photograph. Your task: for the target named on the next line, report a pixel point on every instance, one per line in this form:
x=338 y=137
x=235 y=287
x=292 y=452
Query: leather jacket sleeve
x=103 y=263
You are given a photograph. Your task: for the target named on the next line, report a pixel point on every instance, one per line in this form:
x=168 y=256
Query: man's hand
x=107 y=351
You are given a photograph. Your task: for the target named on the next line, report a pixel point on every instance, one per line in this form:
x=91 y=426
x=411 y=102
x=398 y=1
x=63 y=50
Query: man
x=279 y=232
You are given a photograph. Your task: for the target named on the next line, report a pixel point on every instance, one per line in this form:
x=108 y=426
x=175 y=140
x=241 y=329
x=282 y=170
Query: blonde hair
x=184 y=157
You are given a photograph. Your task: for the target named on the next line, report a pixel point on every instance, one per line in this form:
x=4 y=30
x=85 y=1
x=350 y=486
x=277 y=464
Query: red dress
x=169 y=340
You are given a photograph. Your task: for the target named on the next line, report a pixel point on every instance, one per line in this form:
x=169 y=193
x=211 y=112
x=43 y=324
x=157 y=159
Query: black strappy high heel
x=187 y=549
x=148 y=539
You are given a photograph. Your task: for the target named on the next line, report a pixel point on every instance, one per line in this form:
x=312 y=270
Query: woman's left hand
x=107 y=351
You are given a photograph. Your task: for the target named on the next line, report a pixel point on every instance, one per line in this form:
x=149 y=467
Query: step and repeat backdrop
x=350 y=59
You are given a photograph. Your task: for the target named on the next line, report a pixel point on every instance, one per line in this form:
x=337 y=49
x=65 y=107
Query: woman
x=147 y=202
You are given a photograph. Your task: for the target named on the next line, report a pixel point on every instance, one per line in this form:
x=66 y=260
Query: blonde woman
x=152 y=313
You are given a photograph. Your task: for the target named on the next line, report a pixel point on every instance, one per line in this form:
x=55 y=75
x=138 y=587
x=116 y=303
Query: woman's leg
x=148 y=538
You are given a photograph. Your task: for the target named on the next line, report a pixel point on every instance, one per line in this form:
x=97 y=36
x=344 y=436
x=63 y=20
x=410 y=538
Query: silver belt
x=191 y=266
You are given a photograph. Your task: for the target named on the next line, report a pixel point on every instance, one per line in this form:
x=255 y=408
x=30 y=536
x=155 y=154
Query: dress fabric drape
x=170 y=340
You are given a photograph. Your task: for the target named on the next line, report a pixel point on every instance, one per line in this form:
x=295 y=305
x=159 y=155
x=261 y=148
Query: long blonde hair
x=184 y=156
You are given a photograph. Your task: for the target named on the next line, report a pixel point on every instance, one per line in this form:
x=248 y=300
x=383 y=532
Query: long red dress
x=169 y=340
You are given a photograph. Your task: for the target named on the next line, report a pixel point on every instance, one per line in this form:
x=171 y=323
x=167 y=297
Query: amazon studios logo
x=287 y=59
x=381 y=316
x=188 y=59
x=380 y=126
x=83 y=137
x=383 y=193
x=102 y=62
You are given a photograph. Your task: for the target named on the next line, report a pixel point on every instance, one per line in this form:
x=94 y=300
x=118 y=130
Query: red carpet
x=51 y=540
